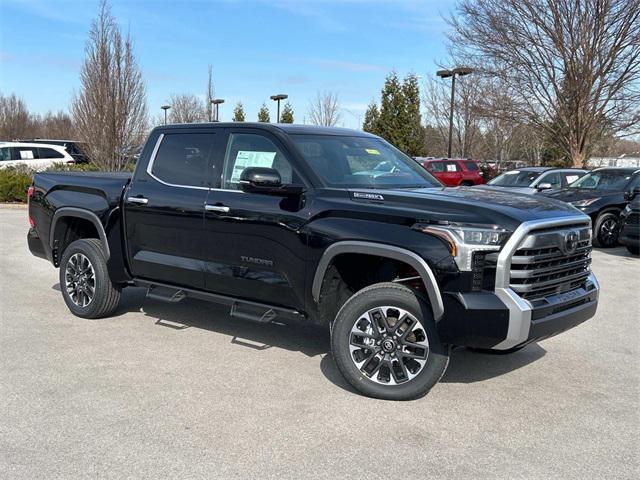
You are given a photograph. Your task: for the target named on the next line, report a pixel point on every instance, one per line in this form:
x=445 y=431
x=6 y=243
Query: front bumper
x=502 y=320
x=630 y=235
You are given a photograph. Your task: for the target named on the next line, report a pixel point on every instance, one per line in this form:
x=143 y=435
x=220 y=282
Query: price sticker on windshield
x=372 y=151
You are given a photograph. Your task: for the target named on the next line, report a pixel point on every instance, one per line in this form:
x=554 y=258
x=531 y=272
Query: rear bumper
x=36 y=247
x=502 y=320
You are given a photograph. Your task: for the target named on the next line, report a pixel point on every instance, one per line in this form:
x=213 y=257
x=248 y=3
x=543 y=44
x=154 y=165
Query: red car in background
x=453 y=172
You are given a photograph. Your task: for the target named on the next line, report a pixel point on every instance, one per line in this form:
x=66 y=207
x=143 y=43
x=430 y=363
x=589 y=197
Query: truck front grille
x=633 y=219
x=551 y=261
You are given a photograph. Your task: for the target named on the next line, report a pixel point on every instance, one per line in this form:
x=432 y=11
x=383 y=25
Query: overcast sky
x=257 y=48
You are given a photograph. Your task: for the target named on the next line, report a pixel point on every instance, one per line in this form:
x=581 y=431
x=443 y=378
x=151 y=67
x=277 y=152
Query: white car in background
x=36 y=156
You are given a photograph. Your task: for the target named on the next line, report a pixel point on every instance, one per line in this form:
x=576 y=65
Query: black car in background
x=535 y=179
x=630 y=224
x=602 y=194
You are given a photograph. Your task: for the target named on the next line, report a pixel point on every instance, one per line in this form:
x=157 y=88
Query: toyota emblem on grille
x=571 y=241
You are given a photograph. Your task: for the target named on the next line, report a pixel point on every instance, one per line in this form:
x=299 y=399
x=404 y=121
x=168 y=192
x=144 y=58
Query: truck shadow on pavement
x=465 y=366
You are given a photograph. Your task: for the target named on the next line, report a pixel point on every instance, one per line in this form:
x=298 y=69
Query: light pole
x=277 y=98
x=165 y=108
x=459 y=71
x=217 y=102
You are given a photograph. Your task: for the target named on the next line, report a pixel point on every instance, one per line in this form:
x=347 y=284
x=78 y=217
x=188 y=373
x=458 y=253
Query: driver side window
x=246 y=150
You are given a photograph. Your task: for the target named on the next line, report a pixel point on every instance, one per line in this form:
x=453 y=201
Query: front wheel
x=606 y=230
x=84 y=280
x=385 y=343
x=633 y=249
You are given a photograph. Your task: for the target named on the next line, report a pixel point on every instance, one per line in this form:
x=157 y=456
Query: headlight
x=627 y=209
x=584 y=203
x=464 y=239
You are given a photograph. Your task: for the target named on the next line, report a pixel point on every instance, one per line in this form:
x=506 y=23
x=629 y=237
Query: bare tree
x=466 y=115
x=110 y=111
x=15 y=120
x=325 y=109
x=57 y=125
x=187 y=108
x=572 y=67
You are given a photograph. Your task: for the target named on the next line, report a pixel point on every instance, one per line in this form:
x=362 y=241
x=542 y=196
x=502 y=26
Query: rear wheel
x=606 y=229
x=86 y=287
x=385 y=343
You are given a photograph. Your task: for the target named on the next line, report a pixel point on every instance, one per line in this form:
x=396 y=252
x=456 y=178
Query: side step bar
x=243 y=309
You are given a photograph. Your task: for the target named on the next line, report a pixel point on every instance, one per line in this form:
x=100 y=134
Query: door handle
x=216 y=208
x=138 y=200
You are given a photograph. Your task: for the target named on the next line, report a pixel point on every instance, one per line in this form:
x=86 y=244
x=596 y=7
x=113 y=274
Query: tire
x=86 y=257
x=411 y=333
x=633 y=249
x=489 y=351
x=606 y=229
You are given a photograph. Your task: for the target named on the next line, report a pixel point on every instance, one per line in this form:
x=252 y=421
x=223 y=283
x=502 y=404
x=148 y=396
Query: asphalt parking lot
x=183 y=391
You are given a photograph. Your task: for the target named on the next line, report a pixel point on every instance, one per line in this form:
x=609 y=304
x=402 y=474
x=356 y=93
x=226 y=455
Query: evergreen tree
x=371 y=117
x=263 y=114
x=413 y=130
x=390 y=124
x=287 y=114
x=238 y=113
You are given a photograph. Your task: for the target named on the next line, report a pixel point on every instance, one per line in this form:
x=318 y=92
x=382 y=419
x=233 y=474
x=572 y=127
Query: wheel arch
x=385 y=251
x=66 y=213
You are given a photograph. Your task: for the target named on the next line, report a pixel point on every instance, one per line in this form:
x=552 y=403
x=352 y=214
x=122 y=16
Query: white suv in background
x=36 y=156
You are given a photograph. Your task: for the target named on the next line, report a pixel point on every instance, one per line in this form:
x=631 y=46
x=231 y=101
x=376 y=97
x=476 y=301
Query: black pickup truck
x=326 y=226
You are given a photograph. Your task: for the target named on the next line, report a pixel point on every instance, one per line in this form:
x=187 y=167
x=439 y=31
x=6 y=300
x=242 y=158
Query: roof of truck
x=289 y=128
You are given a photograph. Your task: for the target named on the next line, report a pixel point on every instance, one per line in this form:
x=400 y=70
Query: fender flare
x=385 y=251
x=84 y=214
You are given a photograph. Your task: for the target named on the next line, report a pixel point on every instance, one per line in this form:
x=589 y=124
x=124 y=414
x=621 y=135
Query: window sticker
x=26 y=154
x=372 y=151
x=572 y=178
x=245 y=159
x=451 y=168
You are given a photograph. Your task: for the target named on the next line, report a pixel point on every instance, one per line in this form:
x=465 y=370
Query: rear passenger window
x=182 y=159
x=49 y=153
x=436 y=167
x=473 y=166
x=24 y=153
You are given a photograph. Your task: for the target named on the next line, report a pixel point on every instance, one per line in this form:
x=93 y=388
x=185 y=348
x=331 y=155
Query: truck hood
x=469 y=205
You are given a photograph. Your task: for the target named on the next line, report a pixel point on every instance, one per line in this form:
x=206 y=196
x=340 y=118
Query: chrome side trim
x=150 y=168
x=519 y=308
x=385 y=251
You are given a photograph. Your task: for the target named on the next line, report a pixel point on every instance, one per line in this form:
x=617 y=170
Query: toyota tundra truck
x=320 y=227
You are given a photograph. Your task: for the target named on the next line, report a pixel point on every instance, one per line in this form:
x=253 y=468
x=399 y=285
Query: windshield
x=362 y=162
x=603 y=180
x=515 y=178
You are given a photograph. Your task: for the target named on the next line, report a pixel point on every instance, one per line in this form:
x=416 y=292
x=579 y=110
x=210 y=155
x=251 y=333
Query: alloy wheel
x=388 y=345
x=80 y=280
x=609 y=231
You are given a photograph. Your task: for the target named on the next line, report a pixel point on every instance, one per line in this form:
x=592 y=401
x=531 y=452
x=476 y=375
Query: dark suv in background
x=453 y=172
x=602 y=194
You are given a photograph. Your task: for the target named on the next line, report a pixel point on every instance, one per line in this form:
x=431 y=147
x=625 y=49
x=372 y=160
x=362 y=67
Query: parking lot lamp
x=458 y=71
x=217 y=102
x=165 y=108
x=277 y=98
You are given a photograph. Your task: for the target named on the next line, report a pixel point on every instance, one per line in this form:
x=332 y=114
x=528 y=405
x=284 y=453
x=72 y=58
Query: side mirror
x=267 y=181
x=544 y=186
x=632 y=194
